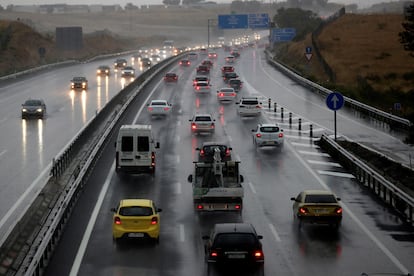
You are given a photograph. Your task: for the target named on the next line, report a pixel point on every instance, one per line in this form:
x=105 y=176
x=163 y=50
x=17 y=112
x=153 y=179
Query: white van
x=135 y=149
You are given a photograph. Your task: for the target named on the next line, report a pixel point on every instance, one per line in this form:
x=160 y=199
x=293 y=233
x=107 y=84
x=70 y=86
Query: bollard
x=275 y=107
x=300 y=124
x=290 y=119
x=281 y=112
x=311 y=131
x=270 y=103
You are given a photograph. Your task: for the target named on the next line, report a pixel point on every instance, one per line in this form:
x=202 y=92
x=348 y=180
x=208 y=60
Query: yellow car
x=136 y=218
x=317 y=207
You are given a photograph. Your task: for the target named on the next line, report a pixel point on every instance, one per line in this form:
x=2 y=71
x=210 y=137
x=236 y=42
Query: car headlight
x=39 y=110
x=24 y=110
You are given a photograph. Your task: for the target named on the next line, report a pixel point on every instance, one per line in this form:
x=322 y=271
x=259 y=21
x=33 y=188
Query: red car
x=203 y=69
x=171 y=77
x=185 y=62
x=226 y=68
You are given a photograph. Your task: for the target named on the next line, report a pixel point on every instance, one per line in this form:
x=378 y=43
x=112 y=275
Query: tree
x=407 y=36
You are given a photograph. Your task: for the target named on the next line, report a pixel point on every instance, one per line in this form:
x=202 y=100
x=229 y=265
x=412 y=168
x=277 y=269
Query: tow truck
x=217 y=185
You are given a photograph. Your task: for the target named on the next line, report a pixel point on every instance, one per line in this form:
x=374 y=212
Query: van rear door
x=143 y=155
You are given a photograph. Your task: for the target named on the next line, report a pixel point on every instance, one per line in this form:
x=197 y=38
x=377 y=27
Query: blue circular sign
x=335 y=101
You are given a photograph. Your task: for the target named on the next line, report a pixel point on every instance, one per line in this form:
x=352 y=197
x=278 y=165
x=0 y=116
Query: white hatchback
x=265 y=135
x=249 y=106
x=202 y=87
x=226 y=94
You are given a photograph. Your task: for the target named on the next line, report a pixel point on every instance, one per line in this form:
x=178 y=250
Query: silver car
x=202 y=123
x=268 y=135
x=159 y=108
x=202 y=87
x=226 y=94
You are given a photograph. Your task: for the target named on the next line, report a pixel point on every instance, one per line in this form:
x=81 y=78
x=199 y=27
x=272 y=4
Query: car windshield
x=209 y=150
x=33 y=102
x=135 y=211
x=235 y=240
x=320 y=199
x=269 y=129
x=202 y=119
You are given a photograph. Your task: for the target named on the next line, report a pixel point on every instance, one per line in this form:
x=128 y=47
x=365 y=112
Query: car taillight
x=227 y=152
x=303 y=210
x=258 y=106
x=150 y=109
x=237 y=207
x=212 y=125
x=258 y=135
x=338 y=210
x=193 y=126
x=199 y=207
x=166 y=108
x=202 y=152
x=213 y=254
x=233 y=94
x=198 y=87
x=281 y=135
x=221 y=95
x=153 y=159
x=258 y=254
x=154 y=220
x=117 y=221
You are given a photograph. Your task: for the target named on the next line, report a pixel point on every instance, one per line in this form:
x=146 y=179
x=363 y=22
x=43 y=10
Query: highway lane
x=371 y=239
x=28 y=146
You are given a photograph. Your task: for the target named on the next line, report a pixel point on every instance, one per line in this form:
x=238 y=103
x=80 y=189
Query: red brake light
x=166 y=108
x=338 y=210
x=213 y=254
x=258 y=135
x=303 y=210
x=150 y=109
x=193 y=126
x=212 y=125
x=237 y=206
x=199 y=207
x=258 y=254
x=154 y=220
x=117 y=221
x=258 y=106
x=227 y=152
x=280 y=135
x=221 y=94
x=202 y=152
x=198 y=87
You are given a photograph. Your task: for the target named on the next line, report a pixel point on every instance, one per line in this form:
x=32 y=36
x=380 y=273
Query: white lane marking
x=3 y=152
x=178 y=189
x=317 y=162
x=85 y=239
x=177 y=159
x=87 y=234
x=252 y=187
x=304 y=137
x=274 y=232
x=307 y=145
x=182 y=233
x=304 y=152
x=230 y=139
x=339 y=174
x=381 y=246
x=178 y=138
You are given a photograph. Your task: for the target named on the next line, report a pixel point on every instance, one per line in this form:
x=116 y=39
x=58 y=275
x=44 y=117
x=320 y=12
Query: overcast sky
x=360 y=3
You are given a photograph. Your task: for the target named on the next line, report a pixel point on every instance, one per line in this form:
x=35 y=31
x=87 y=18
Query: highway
x=372 y=237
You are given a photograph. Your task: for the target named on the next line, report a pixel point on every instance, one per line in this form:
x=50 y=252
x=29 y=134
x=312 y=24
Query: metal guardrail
x=391 y=119
x=384 y=189
x=43 y=245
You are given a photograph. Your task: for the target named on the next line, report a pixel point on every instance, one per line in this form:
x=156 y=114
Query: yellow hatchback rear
x=136 y=218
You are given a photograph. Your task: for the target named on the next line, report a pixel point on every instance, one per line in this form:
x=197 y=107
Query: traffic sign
x=335 y=101
x=308 y=50
x=233 y=21
x=308 y=56
x=282 y=34
x=258 y=20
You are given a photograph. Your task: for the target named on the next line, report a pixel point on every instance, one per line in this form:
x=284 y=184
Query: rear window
x=143 y=143
x=320 y=199
x=202 y=119
x=269 y=129
x=250 y=102
x=158 y=103
x=233 y=240
x=135 y=211
x=127 y=143
x=235 y=81
x=209 y=150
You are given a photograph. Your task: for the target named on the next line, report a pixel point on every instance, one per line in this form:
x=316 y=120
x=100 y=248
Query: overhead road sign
x=233 y=21
x=258 y=20
x=282 y=34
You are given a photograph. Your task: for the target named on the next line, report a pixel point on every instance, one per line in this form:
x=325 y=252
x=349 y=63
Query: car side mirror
x=259 y=237
x=190 y=178
x=293 y=199
x=338 y=198
x=113 y=210
x=253 y=130
x=157 y=145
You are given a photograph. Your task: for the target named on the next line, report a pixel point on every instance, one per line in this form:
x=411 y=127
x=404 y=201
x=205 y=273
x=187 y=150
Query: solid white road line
x=274 y=232
x=182 y=233
x=339 y=174
x=252 y=187
x=313 y=153
x=307 y=145
x=316 y=162
x=178 y=189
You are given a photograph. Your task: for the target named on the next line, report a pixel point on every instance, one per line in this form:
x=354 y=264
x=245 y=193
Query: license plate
x=236 y=256
x=220 y=206
x=136 y=235
x=321 y=211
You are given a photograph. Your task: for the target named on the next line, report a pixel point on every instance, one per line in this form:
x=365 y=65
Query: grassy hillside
x=366 y=57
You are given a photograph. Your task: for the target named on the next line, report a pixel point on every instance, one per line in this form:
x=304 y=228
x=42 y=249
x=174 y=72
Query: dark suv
x=233 y=245
x=206 y=151
x=236 y=84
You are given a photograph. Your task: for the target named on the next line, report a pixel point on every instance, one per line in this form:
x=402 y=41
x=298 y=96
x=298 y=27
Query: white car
x=202 y=87
x=202 y=123
x=159 y=108
x=226 y=94
x=249 y=106
x=230 y=59
x=265 y=135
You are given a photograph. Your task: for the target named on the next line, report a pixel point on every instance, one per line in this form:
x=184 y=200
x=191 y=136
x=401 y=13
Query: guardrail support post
x=275 y=107
x=310 y=131
x=290 y=119
x=300 y=124
x=270 y=103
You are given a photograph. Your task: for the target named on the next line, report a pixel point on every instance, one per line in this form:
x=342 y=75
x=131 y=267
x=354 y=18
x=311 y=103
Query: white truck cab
x=135 y=149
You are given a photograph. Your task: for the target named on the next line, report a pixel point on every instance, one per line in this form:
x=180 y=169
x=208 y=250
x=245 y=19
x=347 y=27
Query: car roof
x=317 y=192
x=269 y=125
x=220 y=228
x=158 y=101
x=202 y=115
x=227 y=89
x=135 y=202
x=213 y=143
x=202 y=83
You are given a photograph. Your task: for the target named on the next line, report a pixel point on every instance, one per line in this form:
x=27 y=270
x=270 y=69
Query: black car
x=146 y=62
x=237 y=84
x=229 y=75
x=33 y=108
x=79 y=83
x=206 y=151
x=232 y=246
x=120 y=63
x=203 y=69
x=103 y=70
